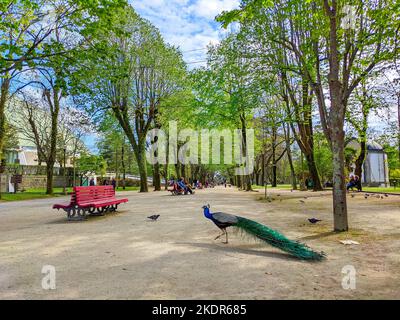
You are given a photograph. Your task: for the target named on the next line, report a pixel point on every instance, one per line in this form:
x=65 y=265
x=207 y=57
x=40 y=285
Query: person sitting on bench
x=355 y=182
x=182 y=184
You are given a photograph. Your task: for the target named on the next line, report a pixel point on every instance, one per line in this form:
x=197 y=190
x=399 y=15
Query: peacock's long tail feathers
x=278 y=240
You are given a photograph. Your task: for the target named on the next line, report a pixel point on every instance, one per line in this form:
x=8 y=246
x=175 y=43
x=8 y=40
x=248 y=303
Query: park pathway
x=124 y=256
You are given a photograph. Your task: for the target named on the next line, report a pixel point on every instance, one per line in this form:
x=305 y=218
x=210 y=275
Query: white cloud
x=188 y=24
x=210 y=9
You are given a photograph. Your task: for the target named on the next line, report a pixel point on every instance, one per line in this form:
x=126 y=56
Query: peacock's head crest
x=206 y=207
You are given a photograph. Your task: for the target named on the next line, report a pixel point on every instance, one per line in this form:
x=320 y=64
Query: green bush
x=395 y=174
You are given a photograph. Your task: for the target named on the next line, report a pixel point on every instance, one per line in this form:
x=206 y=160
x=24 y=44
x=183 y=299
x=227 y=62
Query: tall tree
x=349 y=40
x=133 y=78
x=28 y=30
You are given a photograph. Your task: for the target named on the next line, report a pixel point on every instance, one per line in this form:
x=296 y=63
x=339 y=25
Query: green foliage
x=395 y=174
x=87 y=164
x=11 y=137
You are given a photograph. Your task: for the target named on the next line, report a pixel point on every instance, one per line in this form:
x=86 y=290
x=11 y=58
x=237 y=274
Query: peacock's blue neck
x=207 y=213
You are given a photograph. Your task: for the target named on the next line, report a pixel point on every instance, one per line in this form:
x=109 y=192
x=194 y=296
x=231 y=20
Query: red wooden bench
x=93 y=200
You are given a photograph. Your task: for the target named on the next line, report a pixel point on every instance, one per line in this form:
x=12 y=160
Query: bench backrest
x=82 y=194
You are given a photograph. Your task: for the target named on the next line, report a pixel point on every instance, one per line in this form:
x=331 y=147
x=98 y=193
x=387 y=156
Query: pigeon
x=301 y=201
x=154 y=218
x=314 y=221
x=352 y=195
x=386 y=195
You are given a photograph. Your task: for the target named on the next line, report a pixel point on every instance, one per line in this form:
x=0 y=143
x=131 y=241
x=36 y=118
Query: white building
x=375 y=168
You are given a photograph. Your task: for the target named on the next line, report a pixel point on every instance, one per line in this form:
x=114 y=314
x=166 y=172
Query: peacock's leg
x=220 y=235
x=226 y=234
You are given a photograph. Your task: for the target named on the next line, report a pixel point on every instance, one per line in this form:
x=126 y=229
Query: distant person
x=114 y=184
x=357 y=183
x=188 y=186
x=184 y=187
x=353 y=183
x=92 y=183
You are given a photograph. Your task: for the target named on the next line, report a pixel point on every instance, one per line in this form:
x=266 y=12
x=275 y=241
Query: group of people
x=180 y=186
x=106 y=182
x=355 y=182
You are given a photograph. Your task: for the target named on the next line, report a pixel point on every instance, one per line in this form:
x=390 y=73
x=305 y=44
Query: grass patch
x=35 y=193
x=128 y=189
x=383 y=190
x=40 y=193
x=323 y=232
x=279 y=187
x=27 y=196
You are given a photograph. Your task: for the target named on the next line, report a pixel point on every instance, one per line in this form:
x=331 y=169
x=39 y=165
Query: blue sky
x=188 y=24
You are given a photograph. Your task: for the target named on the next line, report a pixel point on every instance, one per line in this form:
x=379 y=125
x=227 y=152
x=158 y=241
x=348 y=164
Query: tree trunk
x=177 y=170
x=398 y=115
x=361 y=158
x=55 y=109
x=49 y=175
x=156 y=177
x=5 y=86
x=183 y=171
x=239 y=182
x=116 y=167
x=246 y=178
x=263 y=171
x=339 y=184
x=142 y=164
x=123 y=167
x=312 y=167
x=274 y=176
x=166 y=178
x=289 y=155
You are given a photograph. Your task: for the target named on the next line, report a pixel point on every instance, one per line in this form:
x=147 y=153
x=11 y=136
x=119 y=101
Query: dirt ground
x=123 y=256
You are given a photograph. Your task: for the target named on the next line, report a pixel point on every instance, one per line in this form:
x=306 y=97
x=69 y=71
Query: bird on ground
x=301 y=201
x=260 y=232
x=386 y=195
x=154 y=217
x=353 y=196
x=314 y=221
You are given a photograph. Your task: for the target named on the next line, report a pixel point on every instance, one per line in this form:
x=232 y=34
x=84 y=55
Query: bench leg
x=76 y=214
x=100 y=212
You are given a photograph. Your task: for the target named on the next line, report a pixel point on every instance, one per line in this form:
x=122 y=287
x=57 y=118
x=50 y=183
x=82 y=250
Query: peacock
x=261 y=232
